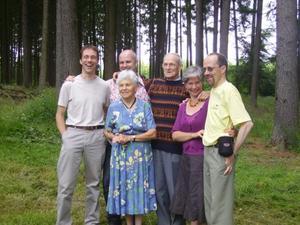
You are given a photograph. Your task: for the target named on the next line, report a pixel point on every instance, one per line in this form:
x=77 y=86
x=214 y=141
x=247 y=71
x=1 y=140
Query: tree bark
x=256 y=54
x=224 y=28
x=160 y=49
x=216 y=22
x=26 y=39
x=188 y=9
x=4 y=44
x=67 y=52
x=44 y=56
x=199 y=32
x=286 y=96
x=176 y=27
x=109 y=39
x=52 y=44
x=236 y=35
x=299 y=46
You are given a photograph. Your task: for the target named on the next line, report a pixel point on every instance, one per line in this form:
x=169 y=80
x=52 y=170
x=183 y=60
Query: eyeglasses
x=210 y=69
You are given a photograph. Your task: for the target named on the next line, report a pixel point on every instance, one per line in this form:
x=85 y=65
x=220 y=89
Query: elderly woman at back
x=130 y=127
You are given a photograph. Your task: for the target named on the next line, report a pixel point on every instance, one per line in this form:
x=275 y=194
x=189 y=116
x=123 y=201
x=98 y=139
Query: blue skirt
x=131 y=185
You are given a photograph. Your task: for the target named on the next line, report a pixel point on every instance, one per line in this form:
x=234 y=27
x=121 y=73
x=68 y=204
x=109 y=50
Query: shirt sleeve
x=149 y=117
x=64 y=94
x=108 y=93
x=236 y=108
x=109 y=117
x=177 y=124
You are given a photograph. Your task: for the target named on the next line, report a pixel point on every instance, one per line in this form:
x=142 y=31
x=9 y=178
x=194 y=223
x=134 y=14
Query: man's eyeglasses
x=210 y=69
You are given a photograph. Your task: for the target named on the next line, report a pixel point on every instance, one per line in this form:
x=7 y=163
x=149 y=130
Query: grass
x=267 y=181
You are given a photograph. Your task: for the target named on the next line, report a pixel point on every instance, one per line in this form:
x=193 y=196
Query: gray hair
x=192 y=71
x=176 y=55
x=127 y=75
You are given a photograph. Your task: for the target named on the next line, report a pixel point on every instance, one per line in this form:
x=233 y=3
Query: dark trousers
x=112 y=219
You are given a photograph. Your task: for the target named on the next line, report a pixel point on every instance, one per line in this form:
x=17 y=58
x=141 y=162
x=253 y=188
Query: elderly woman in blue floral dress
x=130 y=127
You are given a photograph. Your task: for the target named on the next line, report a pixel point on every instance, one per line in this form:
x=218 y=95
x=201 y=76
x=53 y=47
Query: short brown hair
x=92 y=47
x=222 y=61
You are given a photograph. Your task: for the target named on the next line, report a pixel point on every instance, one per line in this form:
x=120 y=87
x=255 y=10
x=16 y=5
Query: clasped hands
x=121 y=139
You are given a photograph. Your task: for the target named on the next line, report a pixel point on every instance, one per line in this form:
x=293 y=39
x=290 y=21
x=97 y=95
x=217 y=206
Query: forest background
x=39 y=46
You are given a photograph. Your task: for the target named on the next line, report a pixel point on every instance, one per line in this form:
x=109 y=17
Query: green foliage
x=262 y=117
x=241 y=77
x=30 y=122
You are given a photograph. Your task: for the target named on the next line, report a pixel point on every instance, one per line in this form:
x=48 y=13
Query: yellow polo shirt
x=225 y=109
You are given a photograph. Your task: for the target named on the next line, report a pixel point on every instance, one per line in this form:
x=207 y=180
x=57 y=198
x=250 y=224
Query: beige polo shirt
x=85 y=101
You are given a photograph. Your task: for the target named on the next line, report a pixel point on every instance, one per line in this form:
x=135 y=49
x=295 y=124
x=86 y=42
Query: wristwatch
x=133 y=137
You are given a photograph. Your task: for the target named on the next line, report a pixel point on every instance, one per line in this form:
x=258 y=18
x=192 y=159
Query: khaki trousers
x=218 y=189
x=78 y=143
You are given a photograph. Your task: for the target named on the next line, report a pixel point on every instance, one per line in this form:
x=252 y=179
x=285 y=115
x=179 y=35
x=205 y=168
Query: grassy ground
x=267 y=181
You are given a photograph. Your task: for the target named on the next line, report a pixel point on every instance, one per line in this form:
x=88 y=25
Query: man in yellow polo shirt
x=225 y=110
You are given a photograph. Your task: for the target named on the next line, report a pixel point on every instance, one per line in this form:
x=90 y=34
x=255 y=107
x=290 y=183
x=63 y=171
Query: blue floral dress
x=131 y=185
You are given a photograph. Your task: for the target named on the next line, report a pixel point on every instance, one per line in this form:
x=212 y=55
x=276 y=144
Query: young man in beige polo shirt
x=84 y=100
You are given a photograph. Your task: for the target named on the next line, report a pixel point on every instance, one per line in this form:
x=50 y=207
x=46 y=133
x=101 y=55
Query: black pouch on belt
x=225 y=146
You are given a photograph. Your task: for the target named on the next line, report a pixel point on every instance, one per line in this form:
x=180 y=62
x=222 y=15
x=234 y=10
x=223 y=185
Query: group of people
x=156 y=140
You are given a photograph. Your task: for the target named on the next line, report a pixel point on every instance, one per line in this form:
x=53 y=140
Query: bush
x=33 y=121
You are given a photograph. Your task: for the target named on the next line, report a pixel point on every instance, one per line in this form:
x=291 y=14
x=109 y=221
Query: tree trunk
x=176 y=27
x=44 y=57
x=216 y=22
x=27 y=72
x=299 y=46
x=160 y=36
x=135 y=26
x=151 y=39
x=180 y=28
x=286 y=96
x=206 y=35
x=199 y=32
x=169 y=25
x=253 y=27
x=236 y=35
x=4 y=44
x=67 y=52
x=19 y=61
x=188 y=9
x=52 y=44
x=256 y=54
x=109 y=39
x=224 y=28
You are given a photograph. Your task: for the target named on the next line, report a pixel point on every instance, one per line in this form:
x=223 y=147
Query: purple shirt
x=191 y=123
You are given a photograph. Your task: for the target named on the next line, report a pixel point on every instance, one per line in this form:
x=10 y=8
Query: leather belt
x=214 y=146
x=87 y=127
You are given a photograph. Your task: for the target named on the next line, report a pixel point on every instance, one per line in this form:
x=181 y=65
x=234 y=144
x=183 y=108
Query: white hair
x=192 y=71
x=176 y=55
x=127 y=75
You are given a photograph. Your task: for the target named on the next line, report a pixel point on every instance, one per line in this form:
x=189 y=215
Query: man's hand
x=115 y=76
x=70 y=78
x=231 y=132
x=229 y=162
x=203 y=95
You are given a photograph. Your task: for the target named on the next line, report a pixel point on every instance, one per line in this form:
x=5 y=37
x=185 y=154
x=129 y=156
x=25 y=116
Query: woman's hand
x=121 y=139
x=198 y=134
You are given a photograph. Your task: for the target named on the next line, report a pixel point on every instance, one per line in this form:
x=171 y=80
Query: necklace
x=129 y=107
x=193 y=104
